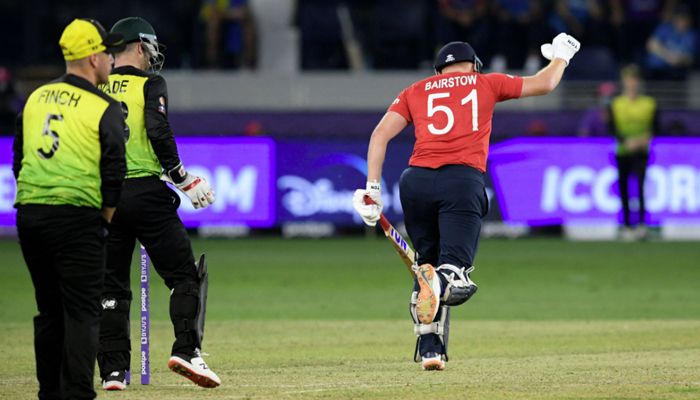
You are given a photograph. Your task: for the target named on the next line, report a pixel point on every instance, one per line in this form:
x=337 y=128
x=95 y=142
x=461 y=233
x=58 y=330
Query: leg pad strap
x=184 y=325
x=191 y=288
x=113 y=346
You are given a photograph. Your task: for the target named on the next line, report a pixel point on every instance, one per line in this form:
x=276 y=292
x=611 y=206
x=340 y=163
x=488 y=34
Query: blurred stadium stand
x=337 y=56
x=317 y=76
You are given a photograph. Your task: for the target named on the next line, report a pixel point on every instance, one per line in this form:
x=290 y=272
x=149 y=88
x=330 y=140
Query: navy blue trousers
x=443 y=209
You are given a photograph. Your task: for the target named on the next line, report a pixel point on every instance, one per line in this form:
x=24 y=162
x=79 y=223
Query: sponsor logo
x=450 y=58
x=161 y=108
x=399 y=240
x=580 y=189
x=109 y=304
x=237 y=190
x=244 y=183
x=144 y=363
x=396 y=101
x=144 y=330
x=144 y=300
x=144 y=268
x=304 y=198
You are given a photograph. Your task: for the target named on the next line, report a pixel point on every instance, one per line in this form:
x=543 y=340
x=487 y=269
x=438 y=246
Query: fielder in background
x=147 y=211
x=442 y=192
x=634 y=120
x=69 y=165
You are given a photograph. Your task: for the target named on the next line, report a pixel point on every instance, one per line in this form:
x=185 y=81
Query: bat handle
x=382 y=219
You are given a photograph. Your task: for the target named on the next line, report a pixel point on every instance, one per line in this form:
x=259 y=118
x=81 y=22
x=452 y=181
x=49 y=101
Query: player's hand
x=196 y=188
x=369 y=213
x=563 y=46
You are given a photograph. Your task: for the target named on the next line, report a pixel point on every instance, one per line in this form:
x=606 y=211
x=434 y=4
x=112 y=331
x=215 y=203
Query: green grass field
x=329 y=319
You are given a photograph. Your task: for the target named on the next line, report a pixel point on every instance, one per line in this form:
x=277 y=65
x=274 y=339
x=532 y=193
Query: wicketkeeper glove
x=196 y=188
x=563 y=46
x=369 y=213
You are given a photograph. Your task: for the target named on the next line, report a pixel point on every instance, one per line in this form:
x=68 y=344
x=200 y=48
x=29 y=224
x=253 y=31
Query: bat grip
x=382 y=219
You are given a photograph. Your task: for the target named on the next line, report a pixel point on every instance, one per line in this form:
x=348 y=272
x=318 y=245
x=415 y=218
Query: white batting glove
x=563 y=46
x=196 y=188
x=369 y=213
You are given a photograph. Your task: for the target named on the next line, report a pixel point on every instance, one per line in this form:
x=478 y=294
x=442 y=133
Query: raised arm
x=544 y=81
x=560 y=51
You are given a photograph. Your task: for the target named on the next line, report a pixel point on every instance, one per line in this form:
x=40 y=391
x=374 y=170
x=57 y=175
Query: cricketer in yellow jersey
x=147 y=211
x=69 y=165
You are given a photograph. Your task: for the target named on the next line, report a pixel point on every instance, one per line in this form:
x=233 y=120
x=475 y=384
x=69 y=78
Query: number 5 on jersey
x=48 y=132
x=450 y=115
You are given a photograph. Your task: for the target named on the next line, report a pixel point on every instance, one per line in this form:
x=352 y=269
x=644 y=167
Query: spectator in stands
x=634 y=120
x=467 y=21
x=672 y=47
x=322 y=44
x=518 y=29
x=633 y=21
x=580 y=18
x=230 y=37
x=398 y=34
x=596 y=119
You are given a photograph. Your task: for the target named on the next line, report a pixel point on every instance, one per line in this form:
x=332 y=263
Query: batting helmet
x=456 y=52
x=137 y=29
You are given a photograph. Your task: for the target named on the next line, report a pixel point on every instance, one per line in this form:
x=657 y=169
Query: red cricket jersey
x=452 y=115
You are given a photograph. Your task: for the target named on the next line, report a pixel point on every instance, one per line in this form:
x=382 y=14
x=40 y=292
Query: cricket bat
x=400 y=245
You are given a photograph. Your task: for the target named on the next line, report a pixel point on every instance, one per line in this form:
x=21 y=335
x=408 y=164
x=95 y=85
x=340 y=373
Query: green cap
x=134 y=29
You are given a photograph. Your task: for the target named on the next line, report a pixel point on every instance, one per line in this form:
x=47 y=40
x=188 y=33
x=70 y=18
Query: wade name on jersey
x=114 y=86
x=455 y=81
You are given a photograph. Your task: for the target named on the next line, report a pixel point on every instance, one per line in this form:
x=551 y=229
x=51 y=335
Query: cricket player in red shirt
x=442 y=192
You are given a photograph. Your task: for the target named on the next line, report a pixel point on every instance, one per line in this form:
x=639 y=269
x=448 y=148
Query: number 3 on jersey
x=450 y=115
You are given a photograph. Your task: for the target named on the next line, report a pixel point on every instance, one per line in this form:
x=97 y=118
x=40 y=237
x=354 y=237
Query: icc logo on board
x=579 y=189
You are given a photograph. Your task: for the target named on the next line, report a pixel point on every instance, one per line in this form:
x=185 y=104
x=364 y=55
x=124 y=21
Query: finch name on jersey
x=454 y=81
x=60 y=97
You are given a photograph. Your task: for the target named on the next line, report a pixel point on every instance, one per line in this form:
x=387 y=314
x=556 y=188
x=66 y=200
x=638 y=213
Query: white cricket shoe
x=428 y=300
x=115 y=381
x=433 y=362
x=194 y=369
